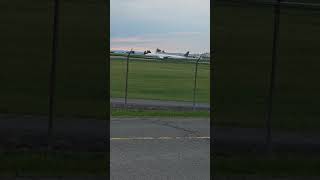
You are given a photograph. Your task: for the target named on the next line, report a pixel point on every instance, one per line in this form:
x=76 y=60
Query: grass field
x=157 y=113
x=160 y=80
x=81 y=67
x=243 y=46
x=26 y=34
x=243 y=39
x=25 y=46
x=242 y=62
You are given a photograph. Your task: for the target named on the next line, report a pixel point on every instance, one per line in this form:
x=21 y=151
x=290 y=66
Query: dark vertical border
x=108 y=115
x=211 y=90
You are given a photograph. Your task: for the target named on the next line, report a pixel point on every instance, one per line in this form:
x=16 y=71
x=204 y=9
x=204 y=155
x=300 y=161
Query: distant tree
x=158 y=50
x=163 y=51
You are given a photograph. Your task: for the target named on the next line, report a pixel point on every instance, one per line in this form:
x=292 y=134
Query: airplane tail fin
x=187 y=54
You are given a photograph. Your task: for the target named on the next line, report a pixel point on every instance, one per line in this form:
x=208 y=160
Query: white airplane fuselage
x=166 y=55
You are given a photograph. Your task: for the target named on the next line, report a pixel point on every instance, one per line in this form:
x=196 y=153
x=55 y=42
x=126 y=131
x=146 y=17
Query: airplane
x=163 y=55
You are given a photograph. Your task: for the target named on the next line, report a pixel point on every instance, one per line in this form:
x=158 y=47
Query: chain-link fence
x=160 y=80
x=266 y=67
x=77 y=105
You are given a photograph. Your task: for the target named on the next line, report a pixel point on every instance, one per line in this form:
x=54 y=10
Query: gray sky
x=171 y=25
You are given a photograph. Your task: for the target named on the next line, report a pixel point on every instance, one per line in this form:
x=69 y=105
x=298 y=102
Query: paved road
x=157 y=104
x=141 y=148
x=160 y=149
x=30 y=132
x=253 y=139
x=149 y=148
x=215 y=178
x=91 y=133
x=52 y=178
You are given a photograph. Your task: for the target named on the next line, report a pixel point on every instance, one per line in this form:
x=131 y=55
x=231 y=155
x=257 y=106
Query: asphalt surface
x=31 y=132
x=52 y=178
x=17 y=131
x=234 y=177
x=141 y=148
x=153 y=148
x=157 y=104
x=149 y=148
x=228 y=139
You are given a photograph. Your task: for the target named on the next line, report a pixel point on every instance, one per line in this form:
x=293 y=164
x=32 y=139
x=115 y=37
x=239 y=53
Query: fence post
x=195 y=84
x=53 y=71
x=127 y=74
x=275 y=49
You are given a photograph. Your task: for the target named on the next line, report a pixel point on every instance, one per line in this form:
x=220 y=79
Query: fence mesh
x=80 y=91
x=164 y=80
x=297 y=98
x=243 y=33
x=243 y=46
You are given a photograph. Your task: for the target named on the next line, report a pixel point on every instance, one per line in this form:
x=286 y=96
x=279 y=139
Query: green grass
x=81 y=67
x=160 y=80
x=57 y=164
x=157 y=113
x=26 y=57
x=243 y=45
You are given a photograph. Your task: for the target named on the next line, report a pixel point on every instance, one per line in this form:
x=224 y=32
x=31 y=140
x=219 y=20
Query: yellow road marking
x=157 y=138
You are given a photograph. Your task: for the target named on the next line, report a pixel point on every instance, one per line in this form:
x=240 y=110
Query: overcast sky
x=171 y=25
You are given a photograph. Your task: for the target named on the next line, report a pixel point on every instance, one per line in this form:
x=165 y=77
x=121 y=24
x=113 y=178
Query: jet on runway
x=163 y=55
